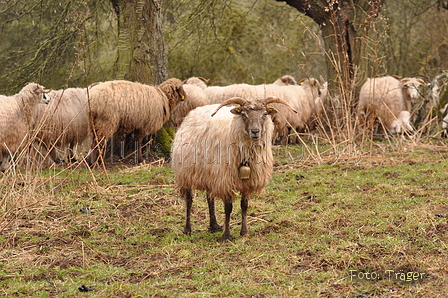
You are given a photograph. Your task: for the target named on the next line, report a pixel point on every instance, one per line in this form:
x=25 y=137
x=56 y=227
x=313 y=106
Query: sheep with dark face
x=223 y=150
x=16 y=116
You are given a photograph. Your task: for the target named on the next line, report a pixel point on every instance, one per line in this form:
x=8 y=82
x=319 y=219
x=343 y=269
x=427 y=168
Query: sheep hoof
x=215 y=228
x=187 y=231
x=58 y=160
x=226 y=237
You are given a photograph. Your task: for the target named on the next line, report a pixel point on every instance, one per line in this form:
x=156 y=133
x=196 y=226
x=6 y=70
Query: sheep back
x=123 y=106
x=216 y=94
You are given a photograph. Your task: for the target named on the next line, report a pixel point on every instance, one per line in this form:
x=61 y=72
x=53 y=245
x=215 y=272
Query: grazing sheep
x=16 y=116
x=223 y=150
x=309 y=98
x=217 y=94
x=64 y=122
x=122 y=107
x=385 y=98
x=194 y=88
x=319 y=94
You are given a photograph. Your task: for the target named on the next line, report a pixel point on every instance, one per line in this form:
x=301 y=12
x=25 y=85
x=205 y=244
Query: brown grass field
x=369 y=223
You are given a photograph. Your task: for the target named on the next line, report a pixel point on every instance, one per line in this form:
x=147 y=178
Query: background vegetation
x=254 y=41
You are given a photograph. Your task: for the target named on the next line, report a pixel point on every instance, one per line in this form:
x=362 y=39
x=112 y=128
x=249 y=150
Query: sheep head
x=174 y=91
x=253 y=113
x=312 y=85
x=412 y=86
x=285 y=80
x=197 y=81
x=38 y=92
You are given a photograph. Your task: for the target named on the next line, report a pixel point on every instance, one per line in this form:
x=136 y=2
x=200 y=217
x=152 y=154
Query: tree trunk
x=141 y=52
x=345 y=29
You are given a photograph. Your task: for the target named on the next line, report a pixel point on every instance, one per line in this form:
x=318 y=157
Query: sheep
x=64 y=122
x=384 y=98
x=194 y=88
x=197 y=81
x=285 y=80
x=402 y=123
x=309 y=97
x=319 y=94
x=122 y=107
x=217 y=94
x=425 y=110
x=223 y=150
x=16 y=116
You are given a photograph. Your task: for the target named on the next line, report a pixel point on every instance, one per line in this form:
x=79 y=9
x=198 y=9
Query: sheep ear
x=236 y=111
x=271 y=110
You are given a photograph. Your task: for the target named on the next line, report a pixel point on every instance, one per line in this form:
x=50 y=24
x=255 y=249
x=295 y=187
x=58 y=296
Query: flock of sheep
x=237 y=156
x=217 y=149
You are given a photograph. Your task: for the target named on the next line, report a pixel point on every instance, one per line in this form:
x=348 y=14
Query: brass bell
x=244 y=172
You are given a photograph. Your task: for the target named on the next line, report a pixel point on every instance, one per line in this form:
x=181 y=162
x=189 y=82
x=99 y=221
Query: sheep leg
x=71 y=153
x=5 y=163
x=189 y=202
x=211 y=210
x=139 y=148
x=228 y=210
x=93 y=155
x=54 y=156
x=244 y=205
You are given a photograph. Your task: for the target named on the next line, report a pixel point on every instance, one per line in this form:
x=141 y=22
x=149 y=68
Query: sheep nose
x=255 y=131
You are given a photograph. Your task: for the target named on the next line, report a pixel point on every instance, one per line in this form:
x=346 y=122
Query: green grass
x=318 y=223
